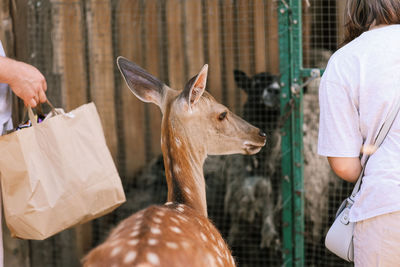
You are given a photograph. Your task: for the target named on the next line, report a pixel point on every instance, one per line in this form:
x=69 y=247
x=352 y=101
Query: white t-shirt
x=5 y=103
x=357 y=91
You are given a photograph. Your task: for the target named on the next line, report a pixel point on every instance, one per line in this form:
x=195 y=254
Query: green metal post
x=297 y=135
x=290 y=44
x=284 y=66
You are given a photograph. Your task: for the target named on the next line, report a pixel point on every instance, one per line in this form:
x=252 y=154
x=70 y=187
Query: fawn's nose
x=262 y=134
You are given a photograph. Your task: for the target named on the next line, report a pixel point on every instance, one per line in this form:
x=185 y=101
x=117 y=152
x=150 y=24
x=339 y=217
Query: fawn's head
x=193 y=114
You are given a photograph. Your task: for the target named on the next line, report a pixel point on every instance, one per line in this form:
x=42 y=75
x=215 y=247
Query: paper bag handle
x=32 y=117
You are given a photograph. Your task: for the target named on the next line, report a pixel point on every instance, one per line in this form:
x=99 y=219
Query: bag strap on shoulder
x=383 y=131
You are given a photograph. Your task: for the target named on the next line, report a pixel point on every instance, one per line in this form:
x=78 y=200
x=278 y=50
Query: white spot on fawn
x=152 y=241
x=172 y=245
x=169 y=203
x=133 y=242
x=182 y=218
x=211 y=259
x=180 y=208
x=220 y=260
x=120 y=227
x=187 y=190
x=213 y=237
x=138 y=222
x=185 y=244
x=160 y=213
x=176 y=229
x=136 y=227
x=115 y=251
x=115 y=242
x=174 y=220
x=157 y=220
x=218 y=250
x=200 y=222
x=155 y=231
x=177 y=169
x=226 y=254
x=130 y=257
x=203 y=236
x=153 y=258
x=134 y=233
x=178 y=142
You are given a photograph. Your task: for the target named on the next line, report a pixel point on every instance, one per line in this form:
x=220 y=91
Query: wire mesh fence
x=75 y=44
x=323 y=29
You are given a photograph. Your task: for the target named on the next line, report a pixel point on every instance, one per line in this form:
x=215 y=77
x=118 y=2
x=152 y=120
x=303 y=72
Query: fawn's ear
x=195 y=87
x=242 y=81
x=144 y=85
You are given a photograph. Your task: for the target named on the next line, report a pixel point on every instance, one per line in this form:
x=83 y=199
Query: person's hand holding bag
x=26 y=81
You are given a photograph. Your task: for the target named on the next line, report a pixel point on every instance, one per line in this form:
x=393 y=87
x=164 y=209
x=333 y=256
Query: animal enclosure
x=75 y=43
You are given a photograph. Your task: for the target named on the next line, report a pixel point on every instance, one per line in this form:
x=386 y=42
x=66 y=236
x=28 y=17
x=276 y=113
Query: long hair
x=361 y=14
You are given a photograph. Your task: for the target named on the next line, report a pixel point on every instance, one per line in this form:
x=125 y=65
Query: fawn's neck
x=184 y=170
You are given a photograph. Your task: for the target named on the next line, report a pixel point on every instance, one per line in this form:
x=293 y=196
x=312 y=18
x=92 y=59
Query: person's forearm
x=348 y=169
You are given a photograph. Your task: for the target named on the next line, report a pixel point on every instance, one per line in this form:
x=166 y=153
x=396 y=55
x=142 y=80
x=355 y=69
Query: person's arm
x=348 y=169
x=25 y=80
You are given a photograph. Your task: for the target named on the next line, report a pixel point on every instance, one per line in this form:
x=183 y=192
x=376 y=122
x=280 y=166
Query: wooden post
x=214 y=83
x=130 y=46
x=101 y=67
x=176 y=66
x=244 y=41
x=227 y=12
x=259 y=36
x=193 y=38
x=153 y=65
x=20 y=26
x=244 y=35
x=272 y=37
x=69 y=52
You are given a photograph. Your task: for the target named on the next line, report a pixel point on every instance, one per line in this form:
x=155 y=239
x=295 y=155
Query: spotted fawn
x=179 y=233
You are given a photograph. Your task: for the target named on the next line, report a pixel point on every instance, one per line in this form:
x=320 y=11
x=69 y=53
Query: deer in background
x=178 y=233
x=262 y=109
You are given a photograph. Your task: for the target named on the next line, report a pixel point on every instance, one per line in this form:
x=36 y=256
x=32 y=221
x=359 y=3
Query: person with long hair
x=359 y=88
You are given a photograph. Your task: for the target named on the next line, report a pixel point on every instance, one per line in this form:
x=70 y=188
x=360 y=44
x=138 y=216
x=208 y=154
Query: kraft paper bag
x=57 y=174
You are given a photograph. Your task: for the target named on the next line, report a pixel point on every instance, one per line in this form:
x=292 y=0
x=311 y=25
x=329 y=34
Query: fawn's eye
x=222 y=116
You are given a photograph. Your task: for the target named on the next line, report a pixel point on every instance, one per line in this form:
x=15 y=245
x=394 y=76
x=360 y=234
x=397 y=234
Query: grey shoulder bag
x=339 y=238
